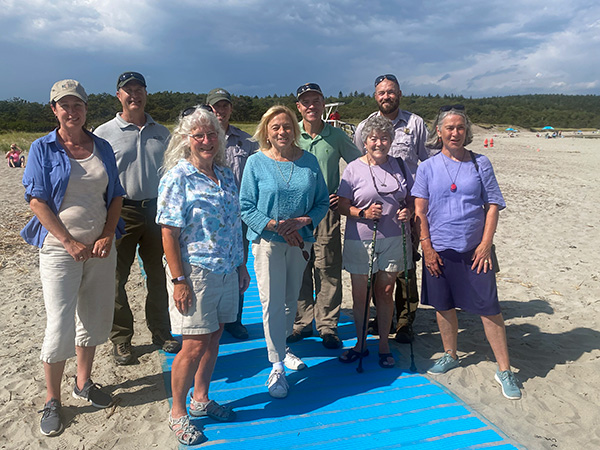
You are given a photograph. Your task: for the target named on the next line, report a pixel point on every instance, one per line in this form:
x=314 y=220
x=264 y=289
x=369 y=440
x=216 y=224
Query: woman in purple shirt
x=457 y=200
x=374 y=188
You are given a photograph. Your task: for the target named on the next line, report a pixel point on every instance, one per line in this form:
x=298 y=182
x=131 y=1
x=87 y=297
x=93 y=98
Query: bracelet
x=179 y=278
x=424 y=239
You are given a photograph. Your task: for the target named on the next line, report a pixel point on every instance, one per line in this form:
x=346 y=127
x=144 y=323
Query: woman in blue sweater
x=283 y=197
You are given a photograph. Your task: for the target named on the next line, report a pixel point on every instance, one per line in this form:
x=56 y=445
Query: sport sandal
x=211 y=409
x=186 y=433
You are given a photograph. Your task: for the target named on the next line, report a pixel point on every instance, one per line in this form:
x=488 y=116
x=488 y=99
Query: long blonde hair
x=262 y=130
x=179 y=144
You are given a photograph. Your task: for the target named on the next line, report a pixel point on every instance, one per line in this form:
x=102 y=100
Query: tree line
x=524 y=111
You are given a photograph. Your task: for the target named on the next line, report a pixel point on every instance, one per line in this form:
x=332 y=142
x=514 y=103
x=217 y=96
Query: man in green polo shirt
x=328 y=144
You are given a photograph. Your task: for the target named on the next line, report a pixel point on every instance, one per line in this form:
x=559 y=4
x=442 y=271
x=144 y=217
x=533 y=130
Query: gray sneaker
x=444 y=364
x=91 y=393
x=508 y=382
x=51 y=423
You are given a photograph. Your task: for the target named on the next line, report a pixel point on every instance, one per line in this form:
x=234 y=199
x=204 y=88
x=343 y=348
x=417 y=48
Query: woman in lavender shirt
x=457 y=200
x=374 y=188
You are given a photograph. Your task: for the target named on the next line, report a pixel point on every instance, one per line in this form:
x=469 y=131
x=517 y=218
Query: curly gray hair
x=179 y=144
x=434 y=140
x=377 y=123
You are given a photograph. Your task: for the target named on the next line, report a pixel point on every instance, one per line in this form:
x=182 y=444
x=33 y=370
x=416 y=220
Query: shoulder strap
x=474 y=160
x=400 y=162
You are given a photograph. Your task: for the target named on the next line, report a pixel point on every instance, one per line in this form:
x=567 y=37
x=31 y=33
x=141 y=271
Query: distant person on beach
x=238 y=148
x=14 y=157
x=72 y=186
x=199 y=212
x=410 y=135
x=457 y=200
x=375 y=187
x=320 y=297
x=139 y=144
x=283 y=199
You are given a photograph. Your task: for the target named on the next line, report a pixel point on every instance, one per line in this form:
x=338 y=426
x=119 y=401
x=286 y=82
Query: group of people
x=199 y=195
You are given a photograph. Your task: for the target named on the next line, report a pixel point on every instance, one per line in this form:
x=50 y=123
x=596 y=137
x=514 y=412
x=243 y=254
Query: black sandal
x=383 y=361
x=351 y=355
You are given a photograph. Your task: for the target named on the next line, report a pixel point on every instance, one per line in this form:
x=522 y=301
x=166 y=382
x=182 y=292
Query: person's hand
x=182 y=296
x=80 y=252
x=433 y=261
x=482 y=258
x=293 y=239
x=333 y=202
x=102 y=246
x=288 y=226
x=404 y=214
x=374 y=212
x=244 y=278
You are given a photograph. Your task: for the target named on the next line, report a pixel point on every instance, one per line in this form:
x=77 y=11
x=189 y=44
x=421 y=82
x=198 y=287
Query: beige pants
x=279 y=269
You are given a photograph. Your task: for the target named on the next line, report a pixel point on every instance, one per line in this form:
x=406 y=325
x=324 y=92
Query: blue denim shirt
x=47 y=175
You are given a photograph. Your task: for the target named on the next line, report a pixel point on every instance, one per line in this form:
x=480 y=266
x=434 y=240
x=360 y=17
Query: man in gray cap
x=409 y=144
x=238 y=148
x=139 y=144
x=329 y=145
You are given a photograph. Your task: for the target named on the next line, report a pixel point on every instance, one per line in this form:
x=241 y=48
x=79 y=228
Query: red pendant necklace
x=453 y=185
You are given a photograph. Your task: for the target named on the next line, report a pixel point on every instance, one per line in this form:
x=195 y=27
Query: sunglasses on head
x=451 y=107
x=307 y=87
x=188 y=111
x=389 y=76
x=135 y=75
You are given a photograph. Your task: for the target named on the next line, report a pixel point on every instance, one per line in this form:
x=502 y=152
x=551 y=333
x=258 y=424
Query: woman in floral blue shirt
x=199 y=212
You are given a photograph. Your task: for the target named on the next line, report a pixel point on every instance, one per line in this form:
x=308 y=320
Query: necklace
x=373 y=175
x=289 y=178
x=453 y=185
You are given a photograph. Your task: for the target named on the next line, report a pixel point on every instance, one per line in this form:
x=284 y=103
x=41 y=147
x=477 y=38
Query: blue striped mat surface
x=330 y=406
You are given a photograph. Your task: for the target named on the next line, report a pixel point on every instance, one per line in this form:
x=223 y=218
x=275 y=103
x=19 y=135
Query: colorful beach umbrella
x=548 y=128
x=510 y=129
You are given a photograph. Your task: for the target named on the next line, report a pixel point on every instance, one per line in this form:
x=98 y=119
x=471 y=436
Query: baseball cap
x=67 y=87
x=216 y=95
x=308 y=87
x=126 y=77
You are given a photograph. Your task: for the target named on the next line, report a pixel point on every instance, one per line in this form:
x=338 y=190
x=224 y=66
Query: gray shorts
x=388 y=255
x=215 y=300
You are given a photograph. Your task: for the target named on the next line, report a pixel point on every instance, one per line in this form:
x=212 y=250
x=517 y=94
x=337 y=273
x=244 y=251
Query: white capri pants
x=279 y=271
x=80 y=300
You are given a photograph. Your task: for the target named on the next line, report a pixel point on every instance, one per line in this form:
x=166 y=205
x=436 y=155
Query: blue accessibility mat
x=330 y=406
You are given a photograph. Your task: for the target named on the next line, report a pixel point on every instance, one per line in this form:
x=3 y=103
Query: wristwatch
x=179 y=278
x=361 y=214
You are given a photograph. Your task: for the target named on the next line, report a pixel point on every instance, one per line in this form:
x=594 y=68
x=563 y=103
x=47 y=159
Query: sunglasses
x=308 y=87
x=132 y=75
x=388 y=76
x=451 y=107
x=188 y=111
x=305 y=254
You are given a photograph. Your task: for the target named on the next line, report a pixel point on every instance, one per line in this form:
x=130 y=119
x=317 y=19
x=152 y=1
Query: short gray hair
x=434 y=141
x=377 y=123
x=179 y=144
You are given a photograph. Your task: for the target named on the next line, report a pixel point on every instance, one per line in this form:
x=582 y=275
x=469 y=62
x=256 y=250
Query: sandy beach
x=549 y=289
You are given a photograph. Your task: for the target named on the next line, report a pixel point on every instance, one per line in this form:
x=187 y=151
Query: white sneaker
x=278 y=385
x=292 y=362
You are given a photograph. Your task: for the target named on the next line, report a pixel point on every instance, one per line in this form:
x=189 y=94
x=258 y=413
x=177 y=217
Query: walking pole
x=413 y=367
x=359 y=369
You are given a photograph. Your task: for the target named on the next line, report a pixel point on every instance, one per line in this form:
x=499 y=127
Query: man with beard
x=139 y=144
x=409 y=144
x=239 y=147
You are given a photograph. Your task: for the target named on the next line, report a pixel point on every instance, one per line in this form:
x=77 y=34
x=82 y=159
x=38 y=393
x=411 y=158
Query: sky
x=265 y=47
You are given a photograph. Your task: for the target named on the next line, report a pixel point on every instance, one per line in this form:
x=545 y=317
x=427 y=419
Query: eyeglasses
x=305 y=254
x=388 y=76
x=451 y=107
x=381 y=193
x=308 y=87
x=211 y=136
x=188 y=111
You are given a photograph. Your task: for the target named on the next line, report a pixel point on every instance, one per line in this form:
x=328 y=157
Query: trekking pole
x=359 y=369
x=413 y=367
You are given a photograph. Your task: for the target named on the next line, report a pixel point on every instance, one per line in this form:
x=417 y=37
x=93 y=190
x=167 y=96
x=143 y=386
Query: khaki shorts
x=388 y=255
x=215 y=300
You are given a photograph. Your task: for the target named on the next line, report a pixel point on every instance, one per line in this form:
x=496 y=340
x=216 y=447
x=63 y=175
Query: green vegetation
x=521 y=111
